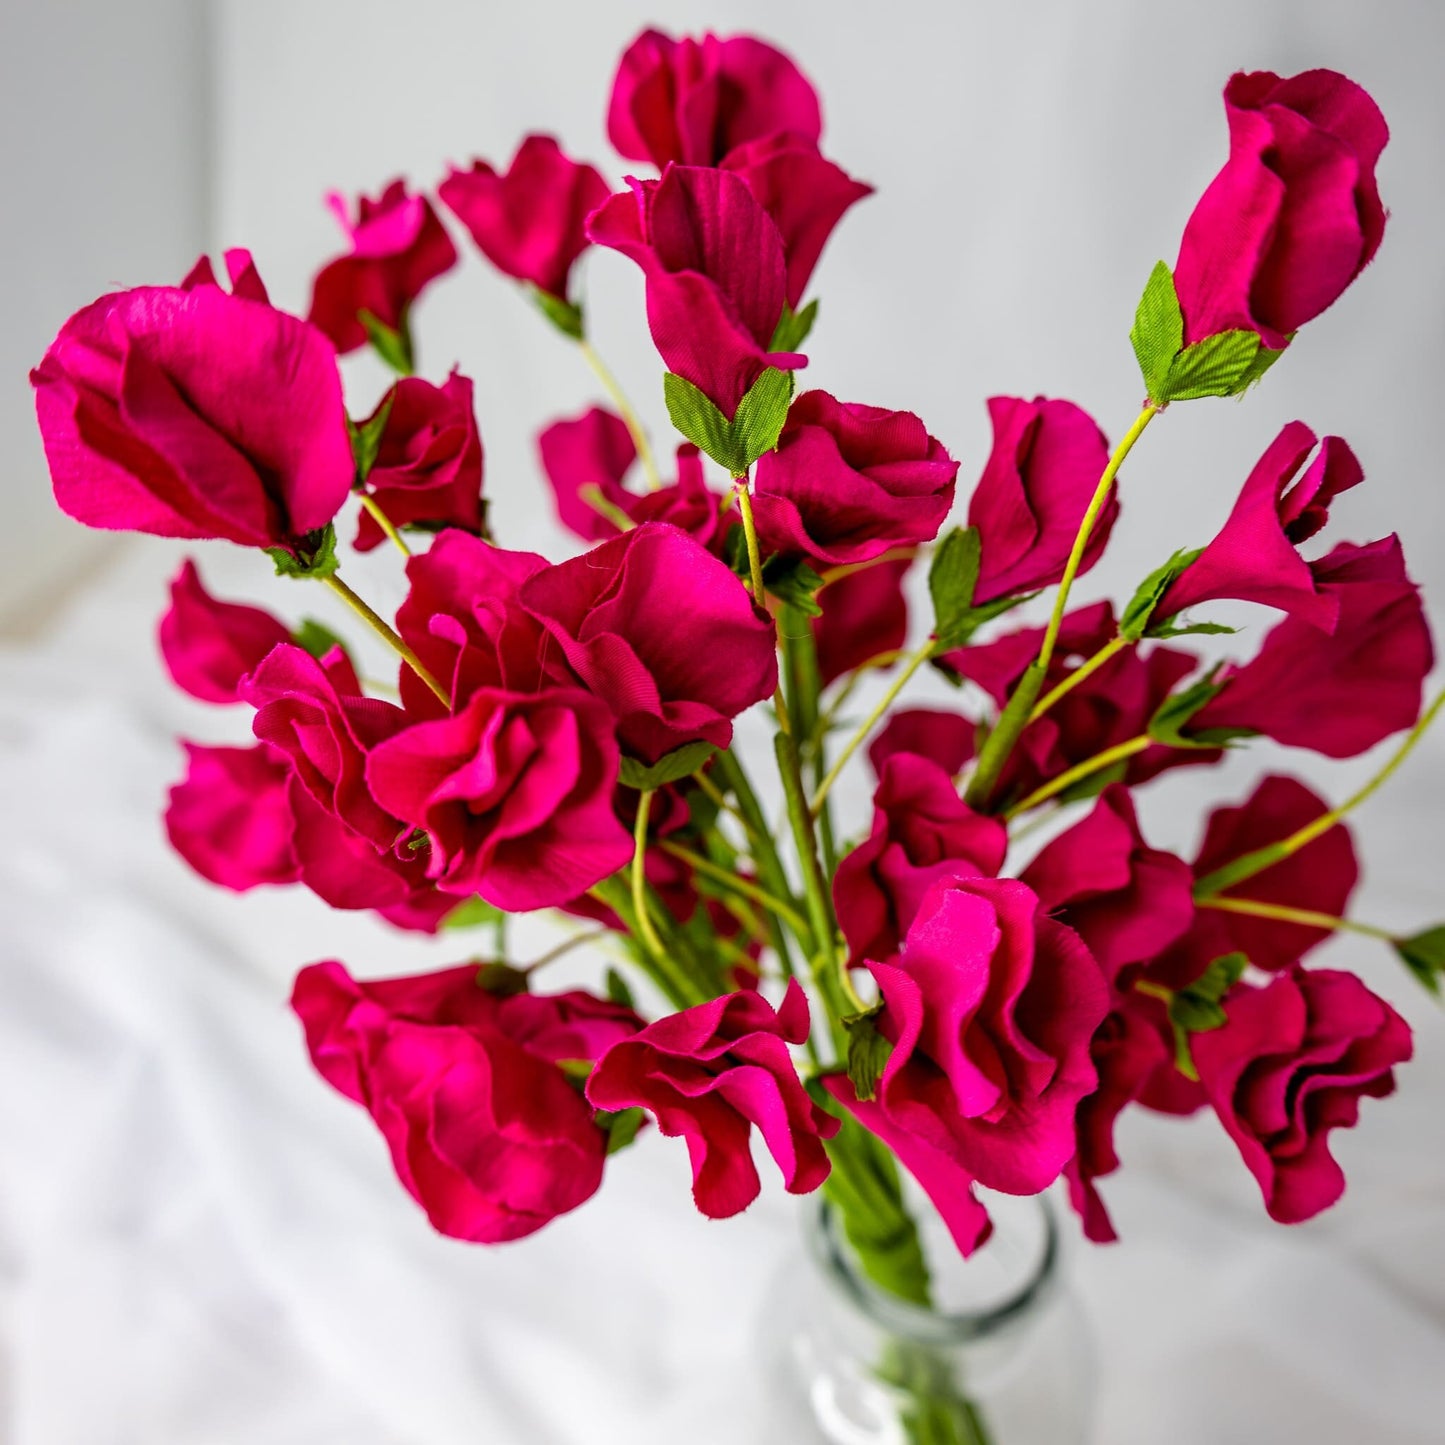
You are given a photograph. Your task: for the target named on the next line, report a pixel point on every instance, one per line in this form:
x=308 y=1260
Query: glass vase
x=1001 y=1358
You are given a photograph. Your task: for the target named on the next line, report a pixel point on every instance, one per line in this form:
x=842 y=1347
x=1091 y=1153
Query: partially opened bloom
x=1292 y=1063
x=398 y=247
x=711 y=1074
x=208 y=645
x=194 y=413
x=1295 y=213
x=716 y=276
x=529 y=220
x=661 y=631
x=1342 y=691
x=485 y=1131
x=428 y=468
x=694 y=101
x=1047 y=458
x=514 y=792
x=1254 y=558
x=945 y=738
x=865 y=615
x=847 y=482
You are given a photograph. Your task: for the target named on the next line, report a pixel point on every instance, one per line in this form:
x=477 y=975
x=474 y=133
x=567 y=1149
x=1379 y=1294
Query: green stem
x=750 y=533
x=760 y=896
x=1085 y=669
x=639 y=873
x=388 y=635
x=1020 y=706
x=681 y=990
x=384 y=522
x=1248 y=864
x=629 y=417
x=1080 y=771
x=1257 y=908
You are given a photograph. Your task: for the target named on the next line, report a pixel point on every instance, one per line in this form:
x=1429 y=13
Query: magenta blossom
x=694 y=101
x=1294 y=215
x=528 y=221
x=663 y=632
x=514 y=792
x=194 y=413
x=1338 y=692
x=945 y=738
x=1046 y=461
x=848 y=482
x=208 y=646
x=716 y=276
x=710 y=1074
x=428 y=468
x=1254 y=558
x=1291 y=1064
x=865 y=614
x=241 y=271
x=485 y=1131
x=398 y=246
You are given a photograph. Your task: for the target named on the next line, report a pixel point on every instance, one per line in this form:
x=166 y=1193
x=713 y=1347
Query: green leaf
x=761 y=414
x=576 y=1070
x=366 y=437
x=1158 y=331
x=1135 y=622
x=794 y=583
x=1192 y=629
x=793 y=327
x=868 y=1052
x=1196 y=1009
x=1264 y=359
x=738 y=443
x=1424 y=956
x=1216 y=366
x=393 y=346
x=621 y=1127
x=1095 y=783
x=315 y=555
x=679 y=763
x=618 y=990
x=1176 y=710
x=471 y=913
x=951 y=579
x=501 y=979
x=1216 y=980
x=566 y=317
x=316 y=638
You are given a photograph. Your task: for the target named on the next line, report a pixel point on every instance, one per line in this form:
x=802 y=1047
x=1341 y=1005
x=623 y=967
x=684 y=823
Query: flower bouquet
x=917 y=1012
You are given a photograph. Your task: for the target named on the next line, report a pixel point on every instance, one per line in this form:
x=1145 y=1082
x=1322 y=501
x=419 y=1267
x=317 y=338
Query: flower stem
x=1248 y=864
x=1016 y=715
x=1307 y=917
x=786 y=911
x=639 y=873
x=1106 y=759
x=587 y=935
x=388 y=635
x=847 y=569
x=1085 y=669
x=750 y=533
x=384 y=522
x=681 y=989
x=624 y=409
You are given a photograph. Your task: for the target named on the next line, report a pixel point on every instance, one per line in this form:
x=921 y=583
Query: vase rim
x=927 y=1324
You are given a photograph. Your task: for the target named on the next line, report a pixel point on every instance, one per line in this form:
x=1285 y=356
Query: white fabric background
x=199 y=1242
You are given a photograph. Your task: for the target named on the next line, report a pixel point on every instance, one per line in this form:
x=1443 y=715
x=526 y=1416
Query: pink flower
x=1294 y=215
x=990 y=1007
x=805 y=194
x=922 y=831
x=528 y=221
x=229 y=818
x=661 y=631
x=1046 y=461
x=397 y=247
x=1254 y=558
x=1126 y=900
x=709 y=1074
x=484 y=1129
x=693 y=101
x=314 y=714
x=595 y=450
x=514 y=792
x=194 y=413
x=1342 y=691
x=1291 y=1064
x=428 y=467
x=848 y=482
x=945 y=738
x=208 y=646
x=716 y=276
x=865 y=614
x=240 y=271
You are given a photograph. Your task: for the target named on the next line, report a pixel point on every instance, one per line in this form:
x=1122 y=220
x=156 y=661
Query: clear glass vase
x=1002 y=1357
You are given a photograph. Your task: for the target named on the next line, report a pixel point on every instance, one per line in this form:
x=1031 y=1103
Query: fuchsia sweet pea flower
x=848 y=482
x=1046 y=461
x=428 y=467
x=663 y=632
x=1342 y=691
x=398 y=247
x=514 y=792
x=716 y=276
x=865 y=614
x=945 y=738
x=529 y=220
x=710 y=1074
x=208 y=646
x=694 y=101
x=990 y=1007
x=1292 y=1063
x=1254 y=558
x=922 y=831
x=194 y=413
x=1295 y=213
x=485 y=1131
